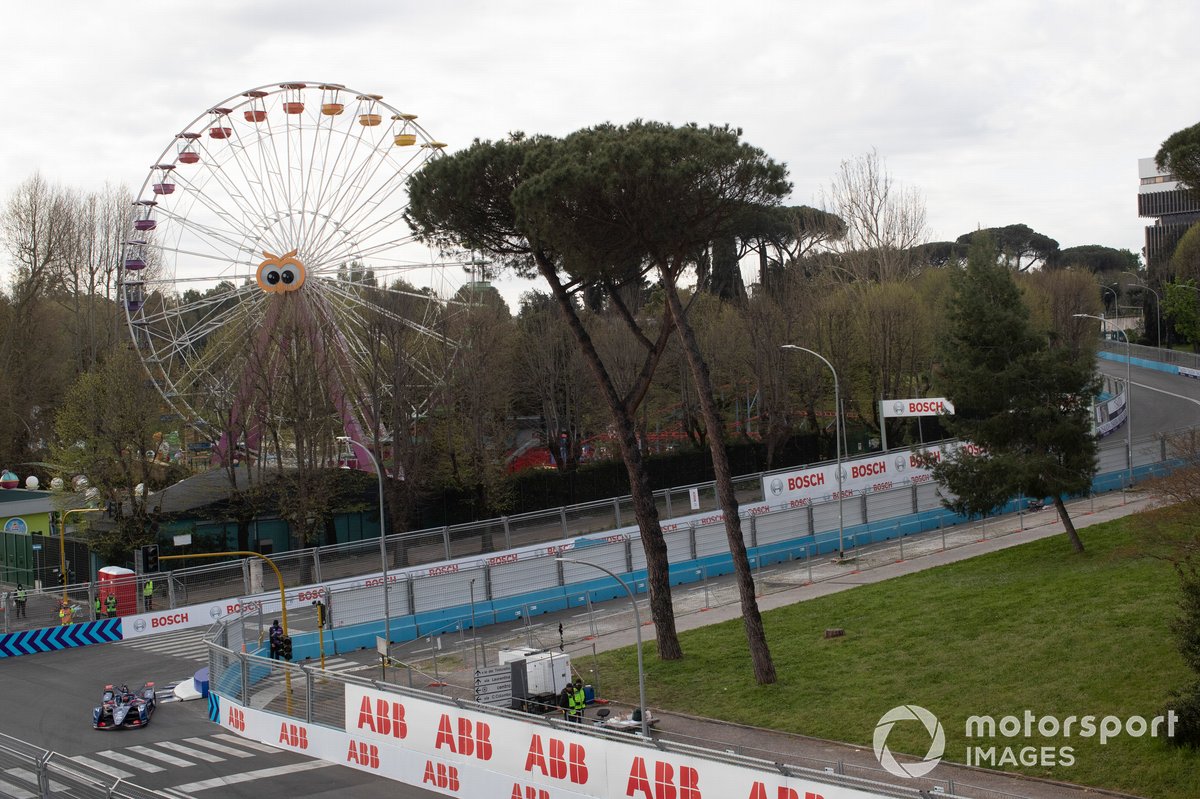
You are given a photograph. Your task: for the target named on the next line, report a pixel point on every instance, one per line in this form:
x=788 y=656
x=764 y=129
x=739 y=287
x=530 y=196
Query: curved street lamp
x=837 y=415
x=387 y=615
x=637 y=628
x=1128 y=391
x=1157 y=307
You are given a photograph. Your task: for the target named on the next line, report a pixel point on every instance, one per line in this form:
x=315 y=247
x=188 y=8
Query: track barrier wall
x=462 y=748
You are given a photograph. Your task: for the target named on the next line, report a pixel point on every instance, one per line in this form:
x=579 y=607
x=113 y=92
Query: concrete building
x=1173 y=209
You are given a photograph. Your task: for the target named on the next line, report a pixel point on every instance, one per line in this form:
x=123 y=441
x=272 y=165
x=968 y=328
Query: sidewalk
x=610 y=626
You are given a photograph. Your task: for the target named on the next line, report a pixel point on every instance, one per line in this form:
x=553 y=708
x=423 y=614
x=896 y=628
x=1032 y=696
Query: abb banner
x=859 y=476
x=462 y=752
x=929 y=406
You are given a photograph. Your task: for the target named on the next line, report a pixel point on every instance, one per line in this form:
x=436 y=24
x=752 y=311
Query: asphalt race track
x=51 y=697
x=1160 y=402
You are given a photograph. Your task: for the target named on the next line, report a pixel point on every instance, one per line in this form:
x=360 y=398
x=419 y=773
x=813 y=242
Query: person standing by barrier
x=275 y=639
x=65 y=614
x=579 y=701
x=96 y=607
x=20 y=601
x=566 y=701
x=148 y=594
x=111 y=606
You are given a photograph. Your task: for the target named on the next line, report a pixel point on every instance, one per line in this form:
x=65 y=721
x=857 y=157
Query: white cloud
x=999 y=111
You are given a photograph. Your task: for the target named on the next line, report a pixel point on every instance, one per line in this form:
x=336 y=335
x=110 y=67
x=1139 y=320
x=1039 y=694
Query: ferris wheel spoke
x=396 y=182
x=355 y=300
x=179 y=344
x=345 y=203
x=331 y=174
x=257 y=204
x=213 y=236
x=203 y=194
x=360 y=252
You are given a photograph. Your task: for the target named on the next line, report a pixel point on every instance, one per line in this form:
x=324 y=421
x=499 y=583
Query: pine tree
x=1024 y=403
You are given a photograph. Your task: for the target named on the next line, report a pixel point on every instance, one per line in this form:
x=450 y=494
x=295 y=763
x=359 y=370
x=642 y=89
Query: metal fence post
x=446 y=541
x=617 y=511
x=507 y=533
x=308 y=696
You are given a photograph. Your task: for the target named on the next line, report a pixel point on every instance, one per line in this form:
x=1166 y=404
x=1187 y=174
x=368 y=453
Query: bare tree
x=885 y=222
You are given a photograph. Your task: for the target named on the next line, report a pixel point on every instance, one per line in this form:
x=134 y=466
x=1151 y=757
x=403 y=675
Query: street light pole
x=1157 y=308
x=387 y=615
x=637 y=628
x=62 y=544
x=1128 y=392
x=1116 y=307
x=475 y=630
x=837 y=416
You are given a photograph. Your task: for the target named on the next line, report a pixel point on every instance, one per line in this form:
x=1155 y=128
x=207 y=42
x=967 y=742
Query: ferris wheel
x=270 y=264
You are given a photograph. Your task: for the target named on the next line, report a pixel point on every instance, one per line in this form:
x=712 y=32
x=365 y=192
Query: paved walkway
x=610 y=626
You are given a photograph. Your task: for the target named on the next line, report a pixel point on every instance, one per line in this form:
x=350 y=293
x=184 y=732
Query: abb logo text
x=667 y=784
x=364 y=754
x=382 y=718
x=471 y=739
x=293 y=735
x=440 y=775
x=528 y=792
x=237 y=719
x=557 y=760
x=167 y=621
x=759 y=791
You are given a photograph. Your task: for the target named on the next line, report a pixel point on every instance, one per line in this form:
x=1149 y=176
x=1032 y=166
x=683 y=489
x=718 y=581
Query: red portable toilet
x=122 y=582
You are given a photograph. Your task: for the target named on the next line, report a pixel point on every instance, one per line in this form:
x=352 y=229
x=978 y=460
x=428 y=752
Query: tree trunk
x=1068 y=525
x=756 y=637
x=657 y=568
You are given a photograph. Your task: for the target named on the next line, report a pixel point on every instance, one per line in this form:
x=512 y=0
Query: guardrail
x=28 y=771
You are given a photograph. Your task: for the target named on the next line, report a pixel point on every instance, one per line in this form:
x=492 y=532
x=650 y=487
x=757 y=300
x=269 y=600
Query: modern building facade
x=1173 y=208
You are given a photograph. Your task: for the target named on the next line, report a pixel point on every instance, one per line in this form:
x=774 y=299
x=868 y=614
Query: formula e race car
x=120 y=707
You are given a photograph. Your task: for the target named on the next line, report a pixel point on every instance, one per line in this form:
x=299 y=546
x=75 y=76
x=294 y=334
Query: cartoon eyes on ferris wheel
x=280 y=273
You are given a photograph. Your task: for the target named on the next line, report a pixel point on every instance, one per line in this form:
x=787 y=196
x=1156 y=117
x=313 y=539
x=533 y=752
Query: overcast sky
x=998 y=112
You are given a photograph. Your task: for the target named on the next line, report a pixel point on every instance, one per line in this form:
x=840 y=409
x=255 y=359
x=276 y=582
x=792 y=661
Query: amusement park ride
x=272 y=228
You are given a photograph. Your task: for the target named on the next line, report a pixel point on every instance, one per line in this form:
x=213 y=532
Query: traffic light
x=150 y=558
x=285 y=647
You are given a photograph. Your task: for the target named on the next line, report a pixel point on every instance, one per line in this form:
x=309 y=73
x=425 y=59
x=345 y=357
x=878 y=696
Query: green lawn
x=1034 y=627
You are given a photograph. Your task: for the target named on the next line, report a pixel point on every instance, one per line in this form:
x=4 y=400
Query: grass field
x=1033 y=627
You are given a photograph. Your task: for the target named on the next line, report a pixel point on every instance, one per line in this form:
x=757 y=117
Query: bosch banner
x=929 y=406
